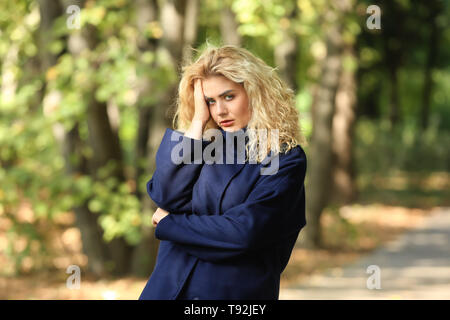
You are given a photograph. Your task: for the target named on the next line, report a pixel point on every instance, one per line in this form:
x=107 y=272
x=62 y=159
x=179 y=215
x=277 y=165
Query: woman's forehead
x=218 y=84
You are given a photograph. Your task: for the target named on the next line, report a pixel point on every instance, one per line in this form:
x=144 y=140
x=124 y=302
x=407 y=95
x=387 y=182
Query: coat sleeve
x=273 y=210
x=178 y=165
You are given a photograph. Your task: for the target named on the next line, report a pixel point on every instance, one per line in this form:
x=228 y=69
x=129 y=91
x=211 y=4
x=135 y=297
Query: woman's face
x=227 y=100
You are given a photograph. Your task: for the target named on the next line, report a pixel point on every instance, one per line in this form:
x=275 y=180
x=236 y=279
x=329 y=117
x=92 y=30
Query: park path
x=414 y=266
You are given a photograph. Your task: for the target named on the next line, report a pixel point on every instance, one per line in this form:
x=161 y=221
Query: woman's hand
x=201 y=107
x=158 y=215
x=201 y=113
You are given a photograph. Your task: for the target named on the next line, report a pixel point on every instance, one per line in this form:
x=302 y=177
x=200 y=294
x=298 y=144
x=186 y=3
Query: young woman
x=227 y=229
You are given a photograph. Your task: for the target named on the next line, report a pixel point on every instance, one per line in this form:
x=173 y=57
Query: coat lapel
x=220 y=174
x=227 y=172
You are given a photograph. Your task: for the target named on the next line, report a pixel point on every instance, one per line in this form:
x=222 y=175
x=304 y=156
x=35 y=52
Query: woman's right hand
x=158 y=216
x=201 y=107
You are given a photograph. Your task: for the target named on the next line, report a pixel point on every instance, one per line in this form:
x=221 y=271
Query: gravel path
x=414 y=266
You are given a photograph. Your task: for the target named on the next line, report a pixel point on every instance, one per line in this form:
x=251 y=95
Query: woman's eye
x=227 y=97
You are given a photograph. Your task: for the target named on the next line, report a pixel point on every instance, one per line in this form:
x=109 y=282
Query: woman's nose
x=221 y=108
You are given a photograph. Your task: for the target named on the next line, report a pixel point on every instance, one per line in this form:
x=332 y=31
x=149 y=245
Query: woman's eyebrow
x=222 y=94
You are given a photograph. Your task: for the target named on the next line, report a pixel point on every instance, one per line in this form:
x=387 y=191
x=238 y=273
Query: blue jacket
x=230 y=231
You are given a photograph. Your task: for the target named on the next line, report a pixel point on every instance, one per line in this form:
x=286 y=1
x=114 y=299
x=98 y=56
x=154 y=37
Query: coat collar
x=231 y=142
x=225 y=172
x=225 y=133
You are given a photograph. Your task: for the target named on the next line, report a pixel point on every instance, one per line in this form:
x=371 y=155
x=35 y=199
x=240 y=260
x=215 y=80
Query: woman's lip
x=227 y=123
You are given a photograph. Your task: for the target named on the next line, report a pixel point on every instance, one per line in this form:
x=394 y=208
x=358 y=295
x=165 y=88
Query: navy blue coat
x=230 y=231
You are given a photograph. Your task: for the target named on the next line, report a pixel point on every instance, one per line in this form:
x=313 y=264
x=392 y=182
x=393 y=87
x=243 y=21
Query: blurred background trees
x=86 y=95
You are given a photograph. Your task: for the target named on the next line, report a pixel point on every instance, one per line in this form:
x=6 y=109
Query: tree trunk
x=190 y=28
x=430 y=64
x=343 y=124
x=286 y=52
x=104 y=141
x=91 y=233
x=393 y=97
x=49 y=10
x=172 y=23
x=229 y=26
x=147 y=11
x=106 y=146
x=70 y=145
x=144 y=255
x=321 y=153
x=393 y=30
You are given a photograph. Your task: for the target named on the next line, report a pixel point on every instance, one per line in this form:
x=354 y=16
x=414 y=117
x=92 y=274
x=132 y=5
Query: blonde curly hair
x=271 y=101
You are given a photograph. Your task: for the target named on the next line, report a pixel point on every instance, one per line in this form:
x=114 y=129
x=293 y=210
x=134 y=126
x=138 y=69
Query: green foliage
x=32 y=167
x=120 y=211
x=36 y=105
x=303 y=103
x=382 y=149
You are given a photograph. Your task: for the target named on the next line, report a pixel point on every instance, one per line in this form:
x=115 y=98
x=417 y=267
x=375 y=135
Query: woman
x=227 y=229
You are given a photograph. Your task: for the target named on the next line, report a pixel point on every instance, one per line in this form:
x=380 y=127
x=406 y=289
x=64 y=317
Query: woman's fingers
x=158 y=215
x=201 y=107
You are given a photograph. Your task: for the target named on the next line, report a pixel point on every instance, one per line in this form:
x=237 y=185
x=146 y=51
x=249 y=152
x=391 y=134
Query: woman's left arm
x=248 y=226
x=175 y=175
